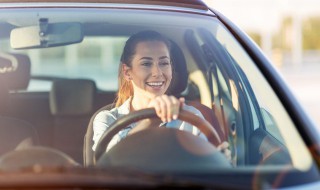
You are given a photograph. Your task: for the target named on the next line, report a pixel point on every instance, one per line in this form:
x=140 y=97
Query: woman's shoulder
x=105 y=114
x=115 y=112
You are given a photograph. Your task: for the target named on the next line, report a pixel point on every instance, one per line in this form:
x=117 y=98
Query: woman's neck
x=138 y=103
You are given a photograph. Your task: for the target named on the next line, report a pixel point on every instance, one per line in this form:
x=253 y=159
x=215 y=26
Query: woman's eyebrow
x=164 y=57
x=148 y=58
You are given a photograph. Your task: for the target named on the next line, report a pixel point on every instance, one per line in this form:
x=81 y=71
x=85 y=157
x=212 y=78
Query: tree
x=311 y=33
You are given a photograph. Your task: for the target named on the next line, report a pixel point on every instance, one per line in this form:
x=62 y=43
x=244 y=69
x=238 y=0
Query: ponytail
x=125 y=89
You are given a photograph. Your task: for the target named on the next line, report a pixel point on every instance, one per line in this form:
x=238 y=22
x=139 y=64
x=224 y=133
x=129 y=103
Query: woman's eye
x=164 y=63
x=146 y=64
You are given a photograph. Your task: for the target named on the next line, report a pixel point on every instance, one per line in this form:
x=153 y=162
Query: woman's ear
x=126 y=73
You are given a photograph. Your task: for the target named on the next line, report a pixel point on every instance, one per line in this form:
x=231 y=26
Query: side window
x=261 y=101
x=246 y=102
x=261 y=117
x=271 y=125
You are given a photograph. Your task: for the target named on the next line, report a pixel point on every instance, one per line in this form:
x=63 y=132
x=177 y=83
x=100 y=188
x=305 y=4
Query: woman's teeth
x=154 y=83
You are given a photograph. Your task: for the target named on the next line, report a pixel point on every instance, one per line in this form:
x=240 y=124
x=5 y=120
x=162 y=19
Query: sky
x=263 y=14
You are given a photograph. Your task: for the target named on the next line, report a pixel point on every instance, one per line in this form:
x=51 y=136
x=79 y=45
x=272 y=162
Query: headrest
x=72 y=97
x=14 y=70
x=180 y=73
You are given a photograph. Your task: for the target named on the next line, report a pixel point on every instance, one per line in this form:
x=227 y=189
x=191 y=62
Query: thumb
x=223 y=146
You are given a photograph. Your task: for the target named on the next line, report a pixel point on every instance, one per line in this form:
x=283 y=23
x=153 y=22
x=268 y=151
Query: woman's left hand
x=167 y=107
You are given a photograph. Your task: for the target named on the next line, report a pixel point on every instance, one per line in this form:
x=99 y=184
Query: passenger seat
x=71 y=104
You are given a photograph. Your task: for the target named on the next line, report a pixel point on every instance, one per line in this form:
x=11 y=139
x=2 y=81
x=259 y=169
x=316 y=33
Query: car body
x=59 y=65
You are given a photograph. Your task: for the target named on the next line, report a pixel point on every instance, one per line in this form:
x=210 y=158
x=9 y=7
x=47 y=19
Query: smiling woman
x=145 y=74
x=144 y=54
x=196 y=104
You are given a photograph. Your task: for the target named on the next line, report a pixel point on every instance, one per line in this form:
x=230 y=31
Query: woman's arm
x=101 y=123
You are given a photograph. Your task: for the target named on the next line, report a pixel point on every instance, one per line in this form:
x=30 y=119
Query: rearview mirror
x=46 y=35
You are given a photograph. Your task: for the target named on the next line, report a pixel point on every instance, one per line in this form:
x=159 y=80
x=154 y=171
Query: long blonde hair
x=125 y=87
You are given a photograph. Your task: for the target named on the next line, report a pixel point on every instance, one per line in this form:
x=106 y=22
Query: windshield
x=59 y=79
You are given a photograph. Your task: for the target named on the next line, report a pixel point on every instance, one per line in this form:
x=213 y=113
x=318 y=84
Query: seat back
x=14 y=75
x=178 y=85
x=71 y=104
x=88 y=138
x=16 y=134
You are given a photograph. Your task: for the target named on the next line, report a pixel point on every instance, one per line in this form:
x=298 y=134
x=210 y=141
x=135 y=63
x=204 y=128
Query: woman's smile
x=155 y=85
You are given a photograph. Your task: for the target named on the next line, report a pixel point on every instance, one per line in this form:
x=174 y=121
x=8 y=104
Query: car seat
x=72 y=105
x=14 y=75
x=178 y=85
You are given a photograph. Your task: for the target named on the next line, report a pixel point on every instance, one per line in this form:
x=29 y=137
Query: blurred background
x=288 y=32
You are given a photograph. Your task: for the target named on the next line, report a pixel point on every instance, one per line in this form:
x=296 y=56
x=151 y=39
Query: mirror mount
x=43 y=23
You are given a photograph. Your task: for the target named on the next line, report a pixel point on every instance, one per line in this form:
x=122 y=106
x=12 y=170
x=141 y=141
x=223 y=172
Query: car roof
x=195 y=4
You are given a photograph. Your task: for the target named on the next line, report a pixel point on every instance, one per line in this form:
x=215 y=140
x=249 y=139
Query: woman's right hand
x=167 y=107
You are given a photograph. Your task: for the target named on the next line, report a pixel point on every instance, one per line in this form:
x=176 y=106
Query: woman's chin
x=155 y=93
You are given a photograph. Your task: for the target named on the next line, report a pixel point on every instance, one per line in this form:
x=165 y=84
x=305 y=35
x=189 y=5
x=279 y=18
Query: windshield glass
x=56 y=93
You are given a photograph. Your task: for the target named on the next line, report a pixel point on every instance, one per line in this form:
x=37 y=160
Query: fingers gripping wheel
x=204 y=126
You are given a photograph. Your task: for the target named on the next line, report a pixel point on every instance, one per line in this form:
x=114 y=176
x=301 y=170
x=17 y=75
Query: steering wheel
x=184 y=115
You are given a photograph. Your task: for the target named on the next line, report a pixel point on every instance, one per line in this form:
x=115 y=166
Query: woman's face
x=151 y=71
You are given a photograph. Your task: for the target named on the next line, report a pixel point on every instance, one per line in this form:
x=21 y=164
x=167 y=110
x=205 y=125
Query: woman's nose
x=156 y=71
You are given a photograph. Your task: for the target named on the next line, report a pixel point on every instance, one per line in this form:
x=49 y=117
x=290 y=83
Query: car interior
x=70 y=106
x=212 y=71
x=177 y=87
x=47 y=118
